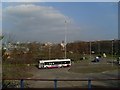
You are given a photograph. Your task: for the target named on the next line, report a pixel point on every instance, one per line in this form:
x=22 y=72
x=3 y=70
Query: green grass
x=14 y=71
x=86 y=66
x=92 y=68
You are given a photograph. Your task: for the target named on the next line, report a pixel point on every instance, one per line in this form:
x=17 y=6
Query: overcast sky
x=45 y=21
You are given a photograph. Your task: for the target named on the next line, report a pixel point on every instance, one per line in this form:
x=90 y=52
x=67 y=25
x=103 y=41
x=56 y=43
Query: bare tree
x=8 y=38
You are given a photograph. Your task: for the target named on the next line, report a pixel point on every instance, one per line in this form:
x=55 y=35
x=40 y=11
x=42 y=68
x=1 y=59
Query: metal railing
x=56 y=81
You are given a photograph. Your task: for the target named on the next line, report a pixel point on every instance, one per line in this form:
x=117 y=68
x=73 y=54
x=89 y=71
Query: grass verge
x=14 y=71
x=92 y=68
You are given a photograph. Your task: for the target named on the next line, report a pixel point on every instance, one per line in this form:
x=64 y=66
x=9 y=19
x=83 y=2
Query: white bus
x=57 y=63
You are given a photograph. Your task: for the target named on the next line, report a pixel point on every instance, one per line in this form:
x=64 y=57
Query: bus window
x=66 y=62
x=57 y=62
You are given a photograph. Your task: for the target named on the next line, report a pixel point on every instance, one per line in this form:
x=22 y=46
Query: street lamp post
x=65 y=36
x=49 y=52
x=49 y=47
x=99 y=47
x=112 y=52
x=90 y=50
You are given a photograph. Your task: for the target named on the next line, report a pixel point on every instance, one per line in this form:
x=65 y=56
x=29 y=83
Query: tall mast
x=65 y=36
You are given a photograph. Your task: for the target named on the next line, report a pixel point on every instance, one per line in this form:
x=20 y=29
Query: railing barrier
x=55 y=84
x=56 y=81
x=89 y=84
x=21 y=83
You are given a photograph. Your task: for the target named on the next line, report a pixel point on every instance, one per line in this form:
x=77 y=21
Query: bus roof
x=55 y=60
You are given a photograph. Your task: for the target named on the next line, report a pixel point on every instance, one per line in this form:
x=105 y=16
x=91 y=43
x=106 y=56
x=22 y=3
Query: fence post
x=55 y=84
x=89 y=84
x=21 y=84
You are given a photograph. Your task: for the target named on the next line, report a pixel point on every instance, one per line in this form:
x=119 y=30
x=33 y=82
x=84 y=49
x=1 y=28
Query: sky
x=51 y=21
x=119 y=21
x=59 y=0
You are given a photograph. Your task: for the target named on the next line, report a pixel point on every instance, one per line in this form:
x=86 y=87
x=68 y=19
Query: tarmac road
x=63 y=73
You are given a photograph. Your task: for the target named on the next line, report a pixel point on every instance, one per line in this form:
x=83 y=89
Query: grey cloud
x=36 y=23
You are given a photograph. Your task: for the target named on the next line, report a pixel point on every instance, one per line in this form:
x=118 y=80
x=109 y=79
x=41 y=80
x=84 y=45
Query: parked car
x=97 y=59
